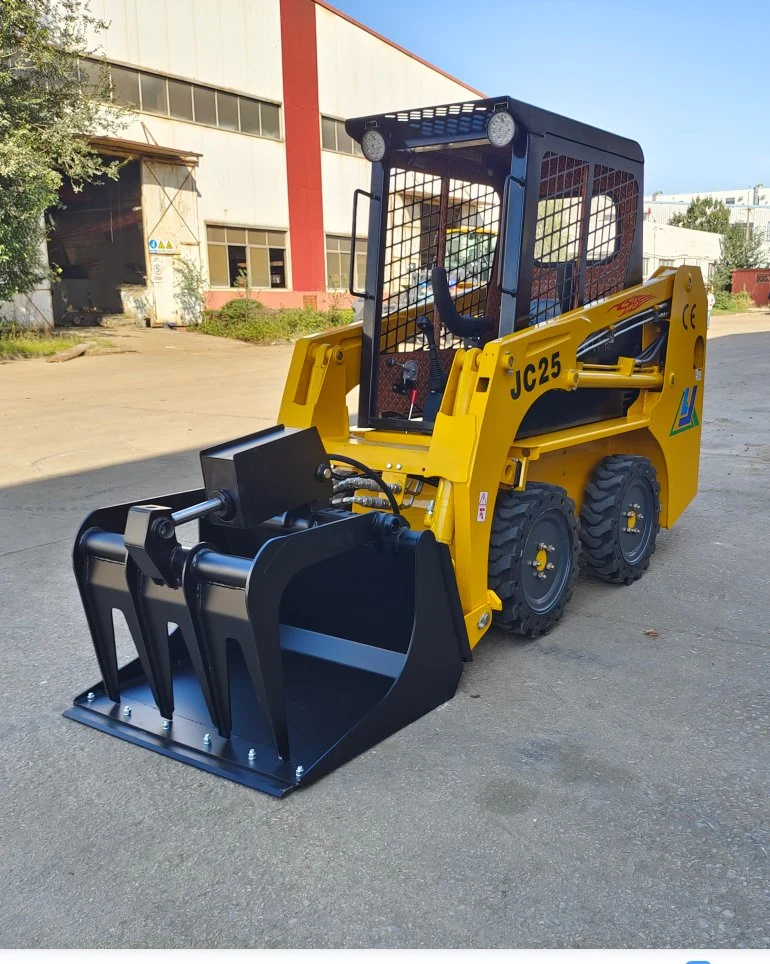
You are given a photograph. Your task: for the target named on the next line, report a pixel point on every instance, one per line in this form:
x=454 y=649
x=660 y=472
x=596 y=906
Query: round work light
x=373 y=146
x=501 y=128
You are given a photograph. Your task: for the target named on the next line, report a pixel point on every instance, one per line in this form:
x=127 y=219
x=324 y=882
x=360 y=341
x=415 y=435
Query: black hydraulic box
x=267 y=473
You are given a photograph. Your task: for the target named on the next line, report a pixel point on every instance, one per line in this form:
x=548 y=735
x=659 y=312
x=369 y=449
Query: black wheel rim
x=546 y=561
x=637 y=520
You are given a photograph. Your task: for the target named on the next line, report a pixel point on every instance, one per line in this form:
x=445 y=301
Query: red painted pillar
x=302 y=130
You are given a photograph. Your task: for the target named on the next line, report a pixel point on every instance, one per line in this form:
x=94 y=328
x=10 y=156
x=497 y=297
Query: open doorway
x=96 y=241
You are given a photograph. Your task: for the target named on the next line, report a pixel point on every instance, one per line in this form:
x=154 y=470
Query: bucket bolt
x=126 y=711
x=299 y=772
x=91 y=697
x=252 y=755
x=207 y=739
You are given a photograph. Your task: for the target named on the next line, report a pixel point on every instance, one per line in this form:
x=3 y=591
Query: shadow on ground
x=598 y=787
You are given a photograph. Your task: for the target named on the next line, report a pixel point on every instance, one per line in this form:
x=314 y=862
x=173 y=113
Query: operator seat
x=463 y=326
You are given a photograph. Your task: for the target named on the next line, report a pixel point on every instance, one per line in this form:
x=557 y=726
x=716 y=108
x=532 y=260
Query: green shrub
x=240 y=309
x=732 y=304
x=742 y=301
x=251 y=321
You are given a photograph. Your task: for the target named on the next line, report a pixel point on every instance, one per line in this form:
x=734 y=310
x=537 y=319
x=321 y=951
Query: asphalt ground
x=597 y=787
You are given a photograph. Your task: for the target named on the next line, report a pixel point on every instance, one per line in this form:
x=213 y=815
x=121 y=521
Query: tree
x=742 y=247
x=50 y=102
x=704 y=214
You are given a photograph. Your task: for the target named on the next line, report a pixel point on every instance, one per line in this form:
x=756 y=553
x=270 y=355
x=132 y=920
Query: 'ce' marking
x=692 y=316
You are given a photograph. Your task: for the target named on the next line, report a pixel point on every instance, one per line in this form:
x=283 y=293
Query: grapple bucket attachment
x=268 y=653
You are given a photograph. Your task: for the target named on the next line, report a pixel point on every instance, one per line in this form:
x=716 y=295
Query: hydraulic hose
x=370 y=474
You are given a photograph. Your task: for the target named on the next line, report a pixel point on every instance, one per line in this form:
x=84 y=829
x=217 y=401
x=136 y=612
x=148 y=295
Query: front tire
x=620 y=519
x=533 y=553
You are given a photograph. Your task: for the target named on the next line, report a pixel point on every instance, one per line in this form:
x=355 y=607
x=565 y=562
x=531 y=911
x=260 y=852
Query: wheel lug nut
x=541 y=575
x=551 y=548
x=550 y=566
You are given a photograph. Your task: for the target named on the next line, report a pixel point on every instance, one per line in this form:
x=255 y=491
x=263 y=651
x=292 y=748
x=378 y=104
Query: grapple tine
x=151 y=641
x=224 y=619
x=98 y=611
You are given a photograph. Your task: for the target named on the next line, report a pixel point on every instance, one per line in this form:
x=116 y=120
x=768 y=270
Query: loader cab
x=525 y=214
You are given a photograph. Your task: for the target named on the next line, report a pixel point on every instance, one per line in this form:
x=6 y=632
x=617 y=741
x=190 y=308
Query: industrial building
x=747 y=206
x=236 y=156
x=665 y=245
x=670 y=245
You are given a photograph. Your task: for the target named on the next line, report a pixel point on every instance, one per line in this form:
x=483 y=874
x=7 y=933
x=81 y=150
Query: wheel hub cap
x=547 y=560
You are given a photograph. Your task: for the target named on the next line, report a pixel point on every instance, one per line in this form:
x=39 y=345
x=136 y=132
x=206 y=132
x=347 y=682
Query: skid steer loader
x=524 y=400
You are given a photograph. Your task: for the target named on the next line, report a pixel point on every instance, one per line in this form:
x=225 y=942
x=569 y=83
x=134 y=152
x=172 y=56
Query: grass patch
x=250 y=321
x=17 y=342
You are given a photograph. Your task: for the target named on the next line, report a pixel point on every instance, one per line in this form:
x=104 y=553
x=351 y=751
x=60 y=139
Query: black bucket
x=274 y=668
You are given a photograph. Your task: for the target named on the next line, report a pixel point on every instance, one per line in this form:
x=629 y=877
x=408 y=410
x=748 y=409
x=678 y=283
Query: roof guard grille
x=464 y=119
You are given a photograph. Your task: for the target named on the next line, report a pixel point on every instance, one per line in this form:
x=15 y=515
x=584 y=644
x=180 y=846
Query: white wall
x=232 y=44
x=680 y=246
x=341 y=175
x=358 y=74
x=35 y=308
x=241 y=179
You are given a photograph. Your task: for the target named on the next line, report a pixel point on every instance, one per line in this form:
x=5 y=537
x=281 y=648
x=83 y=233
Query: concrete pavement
x=598 y=787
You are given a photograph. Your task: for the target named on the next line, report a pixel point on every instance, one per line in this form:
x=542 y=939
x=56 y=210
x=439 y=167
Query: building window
x=169 y=97
x=666 y=263
x=180 y=100
x=645 y=268
x=154 y=93
x=125 y=86
x=246 y=257
x=730 y=200
x=334 y=137
x=338 y=263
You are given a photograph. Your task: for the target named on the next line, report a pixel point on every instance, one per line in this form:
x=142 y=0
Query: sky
x=690 y=81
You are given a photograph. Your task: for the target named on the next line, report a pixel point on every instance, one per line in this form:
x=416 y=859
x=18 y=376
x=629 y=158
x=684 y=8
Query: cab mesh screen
x=585 y=223
x=435 y=220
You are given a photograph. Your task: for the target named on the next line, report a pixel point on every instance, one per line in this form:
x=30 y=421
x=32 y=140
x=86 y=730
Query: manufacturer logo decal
x=632 y=303
x=686 y=416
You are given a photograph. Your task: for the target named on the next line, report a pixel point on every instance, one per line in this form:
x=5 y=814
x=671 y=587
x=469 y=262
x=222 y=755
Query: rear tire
x=620 y=519
x=533 y=554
